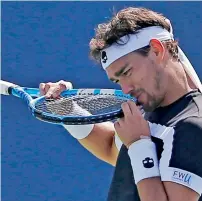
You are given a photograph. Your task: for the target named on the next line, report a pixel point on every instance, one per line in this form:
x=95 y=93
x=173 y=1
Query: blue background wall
x=48 y=41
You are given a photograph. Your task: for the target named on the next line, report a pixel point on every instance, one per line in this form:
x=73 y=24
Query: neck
x=178 y=85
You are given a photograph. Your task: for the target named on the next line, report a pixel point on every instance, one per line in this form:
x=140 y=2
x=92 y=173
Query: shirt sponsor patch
x=182 y=177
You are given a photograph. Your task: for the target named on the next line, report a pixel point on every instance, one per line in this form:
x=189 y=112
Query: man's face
x=141 y=77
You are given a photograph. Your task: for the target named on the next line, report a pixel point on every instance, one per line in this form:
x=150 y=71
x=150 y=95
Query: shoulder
x=190 y=124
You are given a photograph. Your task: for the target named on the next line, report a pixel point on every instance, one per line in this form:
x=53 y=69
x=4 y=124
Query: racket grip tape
x=5 y=87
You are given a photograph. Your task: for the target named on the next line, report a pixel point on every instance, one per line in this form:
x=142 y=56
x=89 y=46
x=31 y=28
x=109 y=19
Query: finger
x=47 y=90
x=42 y=88
x=133 y=107
x=62 y=85
x=57 y=91
x=116 y=126
x=126 y=109
x=53 y=92
x=65 y=85
x=120 y=122
x=47 y=87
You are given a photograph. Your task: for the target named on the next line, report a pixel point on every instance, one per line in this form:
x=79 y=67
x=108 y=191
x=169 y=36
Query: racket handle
x=4 y=87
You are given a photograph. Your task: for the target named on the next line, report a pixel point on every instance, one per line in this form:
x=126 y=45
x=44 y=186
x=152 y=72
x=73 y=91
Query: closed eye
x=127 y=72
x=124 y=74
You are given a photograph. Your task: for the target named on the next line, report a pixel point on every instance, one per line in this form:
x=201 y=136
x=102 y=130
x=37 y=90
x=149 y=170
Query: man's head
x=143 y=73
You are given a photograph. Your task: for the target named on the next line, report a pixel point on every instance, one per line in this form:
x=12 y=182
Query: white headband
x=130 y=43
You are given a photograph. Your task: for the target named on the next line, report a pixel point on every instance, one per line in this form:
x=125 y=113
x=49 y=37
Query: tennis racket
x=73 y=107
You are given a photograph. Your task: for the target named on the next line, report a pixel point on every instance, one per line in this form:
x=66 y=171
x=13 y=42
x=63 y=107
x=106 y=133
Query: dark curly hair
x=125 y=22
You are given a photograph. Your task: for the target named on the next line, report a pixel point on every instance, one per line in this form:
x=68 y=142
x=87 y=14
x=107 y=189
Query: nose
x=126 y=88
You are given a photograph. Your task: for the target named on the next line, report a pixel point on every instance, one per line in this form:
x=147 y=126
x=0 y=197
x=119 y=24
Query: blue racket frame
x=32 y=95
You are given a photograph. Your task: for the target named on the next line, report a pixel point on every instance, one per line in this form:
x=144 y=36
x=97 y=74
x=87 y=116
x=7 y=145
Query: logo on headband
x=104 y=57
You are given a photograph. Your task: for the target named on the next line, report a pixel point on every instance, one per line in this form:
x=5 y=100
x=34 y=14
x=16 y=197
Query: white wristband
x=144 y=159
x=79 y=131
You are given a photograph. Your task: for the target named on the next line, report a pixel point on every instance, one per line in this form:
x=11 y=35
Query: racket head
x=75 y=106
x=81 y=106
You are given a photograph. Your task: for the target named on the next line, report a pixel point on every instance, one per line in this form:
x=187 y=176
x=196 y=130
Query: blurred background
x=48 y=41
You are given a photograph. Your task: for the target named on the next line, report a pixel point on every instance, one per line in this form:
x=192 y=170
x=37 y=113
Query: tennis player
x=158 y=155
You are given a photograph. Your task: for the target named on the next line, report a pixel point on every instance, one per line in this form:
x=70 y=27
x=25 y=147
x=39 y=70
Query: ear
x=158 y=49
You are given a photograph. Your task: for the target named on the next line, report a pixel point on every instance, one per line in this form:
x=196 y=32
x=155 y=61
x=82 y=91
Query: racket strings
x=81 y=105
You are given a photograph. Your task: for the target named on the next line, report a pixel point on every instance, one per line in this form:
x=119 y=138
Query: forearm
x=151 y=189
x=100 y=142
x=146 y=172
x=97 y=139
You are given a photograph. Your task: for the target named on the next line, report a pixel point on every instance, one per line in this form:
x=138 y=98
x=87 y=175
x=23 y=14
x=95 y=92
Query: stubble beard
x=154 y=101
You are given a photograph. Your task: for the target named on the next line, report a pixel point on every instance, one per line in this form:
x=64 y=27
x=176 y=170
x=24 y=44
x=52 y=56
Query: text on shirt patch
x=182 y=177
